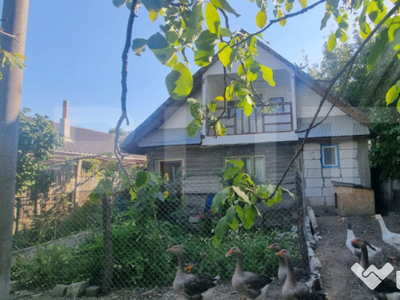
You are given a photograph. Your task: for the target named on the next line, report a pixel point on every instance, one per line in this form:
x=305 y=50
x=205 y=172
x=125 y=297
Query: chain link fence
x=119 y=243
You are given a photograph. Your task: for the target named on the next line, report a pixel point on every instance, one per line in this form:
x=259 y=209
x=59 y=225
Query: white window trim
x=336 y=147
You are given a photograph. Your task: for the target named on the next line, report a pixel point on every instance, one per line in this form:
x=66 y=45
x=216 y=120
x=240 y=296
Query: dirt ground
x=337 y=278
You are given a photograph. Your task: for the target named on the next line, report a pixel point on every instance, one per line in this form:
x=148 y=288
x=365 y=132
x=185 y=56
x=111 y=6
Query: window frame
x=182 y=161
x=252 y=161
x=336 y=147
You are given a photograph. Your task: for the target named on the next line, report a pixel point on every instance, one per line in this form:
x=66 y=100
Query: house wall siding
x=353 y=168
x=307 y=102
x=203 y=167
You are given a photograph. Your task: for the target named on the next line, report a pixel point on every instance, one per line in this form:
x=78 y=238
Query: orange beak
x=279 y=253
x=270 y=247
x=373 y=216
x=229 y=252
x=340 y=219
x=354 y=240
x=170 y=249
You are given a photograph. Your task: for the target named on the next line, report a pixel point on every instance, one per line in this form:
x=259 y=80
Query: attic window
x=330 y=156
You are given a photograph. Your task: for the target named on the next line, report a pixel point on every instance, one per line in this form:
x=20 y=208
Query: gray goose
x=309 y=279
x=387 y=288
x=191 y=286
x=372 y=249
x=251 y=285
x=294 y=290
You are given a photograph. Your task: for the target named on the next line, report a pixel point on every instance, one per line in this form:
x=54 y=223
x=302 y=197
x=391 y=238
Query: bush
x=57 y=265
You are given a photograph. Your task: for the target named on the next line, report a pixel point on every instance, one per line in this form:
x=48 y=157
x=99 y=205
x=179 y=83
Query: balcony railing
x=274 y=119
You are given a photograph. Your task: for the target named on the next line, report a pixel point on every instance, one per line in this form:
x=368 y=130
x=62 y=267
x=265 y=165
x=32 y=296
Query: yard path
x=337 y=278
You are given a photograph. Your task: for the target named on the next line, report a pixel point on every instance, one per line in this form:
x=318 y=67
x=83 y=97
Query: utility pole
x=14 y=22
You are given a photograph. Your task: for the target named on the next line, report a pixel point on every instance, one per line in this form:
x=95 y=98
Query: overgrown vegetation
x=141 y=259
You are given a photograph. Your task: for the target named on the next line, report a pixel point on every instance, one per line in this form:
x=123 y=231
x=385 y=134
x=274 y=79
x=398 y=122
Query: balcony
x=275 y=119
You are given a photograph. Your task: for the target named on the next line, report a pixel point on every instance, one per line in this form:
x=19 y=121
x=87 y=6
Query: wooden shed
x=353 y=200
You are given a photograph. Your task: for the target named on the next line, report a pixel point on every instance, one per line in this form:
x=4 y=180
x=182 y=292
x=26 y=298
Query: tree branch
x=124 y=77
x=333 y=81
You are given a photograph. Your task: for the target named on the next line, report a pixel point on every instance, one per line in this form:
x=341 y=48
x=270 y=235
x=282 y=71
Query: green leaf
x=377 y=49
x=139 y=45
x=223 y=4
x=220 y=199
x=238 y=179
x=179 y=82
x=261 y=18
x=281 y=14
x=241 y=194
x=159 y=45
x=212 y=19
x=332 y=42
x=203 y=58
x=142 y=177
x=268 y=75
x=331 y=5
x=212 y=106
x=106 y=185
x=225 y=55
x=246 y=103
x=303 y=3
x=237 y=162
x=231 y=172
x=119 y=3
x=220 y=231
x=172 y=38
x=324 y=20
x=196 y=16
x=192 y=128
x=156 y=5
x=220 y=128
x=398 y=106
x=240 y=212
x=249 y=216
x=234 y=225
x=153 y=15
x=133 y=194
x=206 y=41
x=226 y=32
x=230 y=214
x=289 y=192
x=375 y=13
x=392 y=94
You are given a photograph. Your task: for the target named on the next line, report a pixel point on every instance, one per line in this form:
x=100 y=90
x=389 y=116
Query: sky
x=74 y=52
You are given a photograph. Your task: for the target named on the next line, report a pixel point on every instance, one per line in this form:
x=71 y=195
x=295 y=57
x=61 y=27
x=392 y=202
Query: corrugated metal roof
x=334 y=126
x=169 y=137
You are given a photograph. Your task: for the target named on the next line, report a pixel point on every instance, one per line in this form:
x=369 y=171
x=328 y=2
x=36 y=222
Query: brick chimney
x=65 y=129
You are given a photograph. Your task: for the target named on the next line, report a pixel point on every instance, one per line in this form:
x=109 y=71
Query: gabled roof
x=170 y=106
x=85 y=142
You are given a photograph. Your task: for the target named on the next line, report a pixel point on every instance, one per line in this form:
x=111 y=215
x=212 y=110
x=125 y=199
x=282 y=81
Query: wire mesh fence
x=121 y=243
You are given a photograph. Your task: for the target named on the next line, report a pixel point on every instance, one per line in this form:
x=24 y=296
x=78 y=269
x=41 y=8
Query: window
x=330 y=156
x=277 y=104
x=253 y=165
x=172 y=168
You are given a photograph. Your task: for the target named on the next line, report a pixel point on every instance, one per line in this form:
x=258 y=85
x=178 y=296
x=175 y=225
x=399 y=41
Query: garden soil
x=337 y=278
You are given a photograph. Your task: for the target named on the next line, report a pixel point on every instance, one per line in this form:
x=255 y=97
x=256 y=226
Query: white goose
x=372 y=249
x=388 y=237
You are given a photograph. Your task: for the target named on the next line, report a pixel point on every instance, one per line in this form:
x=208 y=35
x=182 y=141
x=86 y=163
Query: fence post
x=300 y=223
x=107 y=246
x=17 y=214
